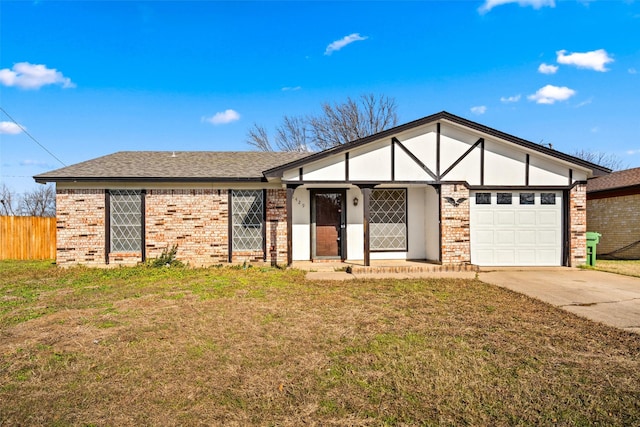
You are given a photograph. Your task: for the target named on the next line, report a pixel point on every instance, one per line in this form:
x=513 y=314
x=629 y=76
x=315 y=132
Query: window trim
x=406 y=220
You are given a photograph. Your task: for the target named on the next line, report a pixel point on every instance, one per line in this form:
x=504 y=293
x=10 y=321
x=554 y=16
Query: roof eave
x=44 y=180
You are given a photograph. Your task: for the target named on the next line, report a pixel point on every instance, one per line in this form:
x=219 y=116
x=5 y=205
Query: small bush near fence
x=27 y=237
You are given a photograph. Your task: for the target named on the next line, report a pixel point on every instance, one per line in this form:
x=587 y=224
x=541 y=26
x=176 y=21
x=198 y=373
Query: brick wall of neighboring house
x=80 y=227
x=196 y=220
x=578 y=225
x=618 y=220
x=456 y=236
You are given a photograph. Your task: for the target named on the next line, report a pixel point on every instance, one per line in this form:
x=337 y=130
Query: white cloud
x=510 y=99
x=594 y=60
x=547 y=69
x=550 y=94
x=632 y=152
x=29 y=162
x=291 y=88
x=9 y=128
x=583 y=103
x=480 y=109
x=222 y=117
x=632 y=71
x=536 y=4
x=33 y=76
x=346 y=40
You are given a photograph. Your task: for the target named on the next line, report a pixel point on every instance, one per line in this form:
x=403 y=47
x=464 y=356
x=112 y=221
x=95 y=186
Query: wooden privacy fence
x=27 y=237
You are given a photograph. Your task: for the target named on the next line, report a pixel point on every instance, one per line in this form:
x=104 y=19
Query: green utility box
x=592 y=241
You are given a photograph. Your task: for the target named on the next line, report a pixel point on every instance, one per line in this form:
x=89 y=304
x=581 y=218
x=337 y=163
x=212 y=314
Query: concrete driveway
x=608 y=298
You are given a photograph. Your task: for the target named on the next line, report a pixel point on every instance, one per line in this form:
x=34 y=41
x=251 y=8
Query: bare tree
x=258 y=138
x=7 y=201
x=336 y=125
x=353 y=119
x=608 y=160
x=40 y=201
x=293 y=135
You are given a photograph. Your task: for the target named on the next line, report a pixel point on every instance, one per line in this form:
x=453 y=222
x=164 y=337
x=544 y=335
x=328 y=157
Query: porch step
x=427 y=268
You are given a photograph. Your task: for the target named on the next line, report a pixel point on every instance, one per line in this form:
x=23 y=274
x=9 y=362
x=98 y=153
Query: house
x=441 y=188
x=613 y=210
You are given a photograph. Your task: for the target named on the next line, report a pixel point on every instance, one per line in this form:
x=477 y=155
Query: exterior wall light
x=355 y=201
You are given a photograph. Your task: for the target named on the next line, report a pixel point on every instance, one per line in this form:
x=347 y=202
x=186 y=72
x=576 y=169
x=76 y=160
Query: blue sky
x=90 y=78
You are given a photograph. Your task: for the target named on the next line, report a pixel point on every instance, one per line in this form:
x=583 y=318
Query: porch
x=392 y=266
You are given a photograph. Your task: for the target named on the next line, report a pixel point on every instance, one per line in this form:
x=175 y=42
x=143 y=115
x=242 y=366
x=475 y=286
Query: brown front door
x=328 y=218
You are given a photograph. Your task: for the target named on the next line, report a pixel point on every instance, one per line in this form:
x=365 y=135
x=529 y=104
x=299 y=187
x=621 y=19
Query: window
x=527 y=198
x=547 y=198
x=388 y=220
x=504 y=198
x=247 y=207
x=483 y=198
x=125 y=220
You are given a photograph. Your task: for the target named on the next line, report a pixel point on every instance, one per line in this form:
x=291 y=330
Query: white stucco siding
x=579 y=175
x=467 y=170
x=371 y=163
x=355 y=229
x=300 y=227
x=406 y=169
x=416 y=233
x=545 y=172
x=423 y=146
x=291 y=175
x=432 y=224
x=503 y=165
x=329 y=169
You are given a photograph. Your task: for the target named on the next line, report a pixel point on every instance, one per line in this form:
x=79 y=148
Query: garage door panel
x=547 y=218
x=548 y=237
x=485 y=218
x=526 y=237
x=516 y=234
x=526 y=218
x=505 y=237
x=505 y=218
x=485 y=237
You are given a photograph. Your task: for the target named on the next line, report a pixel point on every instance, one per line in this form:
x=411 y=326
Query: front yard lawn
x=260 y=346
x=626 y=267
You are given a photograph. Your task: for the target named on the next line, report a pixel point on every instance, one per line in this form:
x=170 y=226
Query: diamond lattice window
x=247 y=208
x=126 y=220
x=388 y=219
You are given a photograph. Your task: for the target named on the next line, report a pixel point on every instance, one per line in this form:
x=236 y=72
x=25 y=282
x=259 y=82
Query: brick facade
x=80 y=227
x=616 y=219
x=197 y=220
x=578 y=225
x=456 y=233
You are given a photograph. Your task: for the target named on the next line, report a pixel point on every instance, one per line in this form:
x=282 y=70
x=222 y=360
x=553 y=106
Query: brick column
x=456 y=241
x=578 y=225
x=276 y=223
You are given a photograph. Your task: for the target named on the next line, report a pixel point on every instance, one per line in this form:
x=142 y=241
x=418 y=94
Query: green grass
x=261 y=346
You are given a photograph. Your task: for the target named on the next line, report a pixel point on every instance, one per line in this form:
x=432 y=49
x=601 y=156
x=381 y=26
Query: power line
x=32 y=137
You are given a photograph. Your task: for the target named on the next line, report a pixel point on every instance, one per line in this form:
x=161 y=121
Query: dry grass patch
x=223 y=346
x=626 y=267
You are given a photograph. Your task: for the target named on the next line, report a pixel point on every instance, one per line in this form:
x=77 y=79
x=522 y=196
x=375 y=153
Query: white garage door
x=516 y=228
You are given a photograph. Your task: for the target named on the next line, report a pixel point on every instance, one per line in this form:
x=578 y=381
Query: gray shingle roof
x=168 y=165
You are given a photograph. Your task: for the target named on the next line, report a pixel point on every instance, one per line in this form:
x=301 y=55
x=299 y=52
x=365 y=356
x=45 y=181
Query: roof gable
x=442 y=116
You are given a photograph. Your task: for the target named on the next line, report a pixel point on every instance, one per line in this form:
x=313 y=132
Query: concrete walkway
x=608 y=298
